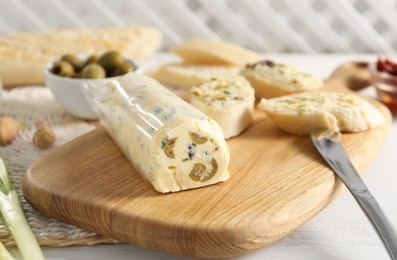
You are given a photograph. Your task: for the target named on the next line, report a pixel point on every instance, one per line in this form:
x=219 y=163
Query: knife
x=336 y=157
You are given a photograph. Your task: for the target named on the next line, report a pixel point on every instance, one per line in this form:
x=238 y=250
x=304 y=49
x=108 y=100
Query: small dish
x=385 y=85
x=68 y=92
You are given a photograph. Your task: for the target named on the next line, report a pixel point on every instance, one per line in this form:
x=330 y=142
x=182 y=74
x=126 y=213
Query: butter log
x=229 y=101
x=170 y=143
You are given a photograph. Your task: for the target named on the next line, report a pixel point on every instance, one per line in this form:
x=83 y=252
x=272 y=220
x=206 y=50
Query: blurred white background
x=271 y=26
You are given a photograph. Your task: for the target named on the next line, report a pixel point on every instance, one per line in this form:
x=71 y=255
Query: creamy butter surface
x=170 y=143
x=228 y=100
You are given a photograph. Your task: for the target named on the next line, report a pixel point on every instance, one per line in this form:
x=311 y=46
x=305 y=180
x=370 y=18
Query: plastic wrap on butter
x=170 y=143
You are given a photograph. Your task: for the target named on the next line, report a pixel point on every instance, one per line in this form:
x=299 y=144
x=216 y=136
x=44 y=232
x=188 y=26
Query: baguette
x=186 y=76
x=338 y=112
x=207 y=51
x=23 y=56
x=271 y=79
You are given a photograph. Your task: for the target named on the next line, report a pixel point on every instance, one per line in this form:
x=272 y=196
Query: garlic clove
x=44 y=137
x=9 y=129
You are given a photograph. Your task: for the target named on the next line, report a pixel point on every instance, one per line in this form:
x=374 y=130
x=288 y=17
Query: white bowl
x=68 y=92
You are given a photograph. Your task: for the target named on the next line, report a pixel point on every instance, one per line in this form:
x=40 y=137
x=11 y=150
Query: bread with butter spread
x=340 y=112
x=271 y=79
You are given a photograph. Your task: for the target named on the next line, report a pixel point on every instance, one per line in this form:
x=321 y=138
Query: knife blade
x=338 y=160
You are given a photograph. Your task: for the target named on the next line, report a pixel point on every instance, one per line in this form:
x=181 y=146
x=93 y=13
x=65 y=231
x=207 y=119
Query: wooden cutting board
x=278 y=182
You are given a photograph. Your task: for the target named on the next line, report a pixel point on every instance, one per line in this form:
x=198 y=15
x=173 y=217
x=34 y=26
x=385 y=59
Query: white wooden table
x=341 y=231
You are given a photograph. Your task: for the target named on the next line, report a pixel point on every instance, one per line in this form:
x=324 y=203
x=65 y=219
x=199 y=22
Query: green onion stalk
x=11 y=210
x=4 y=254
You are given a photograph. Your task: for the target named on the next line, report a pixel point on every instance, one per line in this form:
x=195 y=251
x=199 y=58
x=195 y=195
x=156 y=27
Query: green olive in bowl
x=111 y=60
x=63 y=69
x=123 y=69
x=73 y=60
x=91 y=59
x=93 y=71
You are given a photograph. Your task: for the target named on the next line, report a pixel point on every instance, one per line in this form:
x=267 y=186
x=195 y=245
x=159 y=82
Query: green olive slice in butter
x=197 y=139
x=201 y=173
x=169 y=148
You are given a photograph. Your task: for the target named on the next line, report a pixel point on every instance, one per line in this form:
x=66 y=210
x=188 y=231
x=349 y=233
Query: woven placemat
x=26 y=105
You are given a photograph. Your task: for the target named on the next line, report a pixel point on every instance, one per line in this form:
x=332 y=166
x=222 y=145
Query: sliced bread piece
x=271 y=79
x=304 y=112
x=229 y=101
x=209 y=51
x=186 y=76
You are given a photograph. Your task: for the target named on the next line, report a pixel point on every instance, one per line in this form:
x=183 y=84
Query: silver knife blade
x=336 y=157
